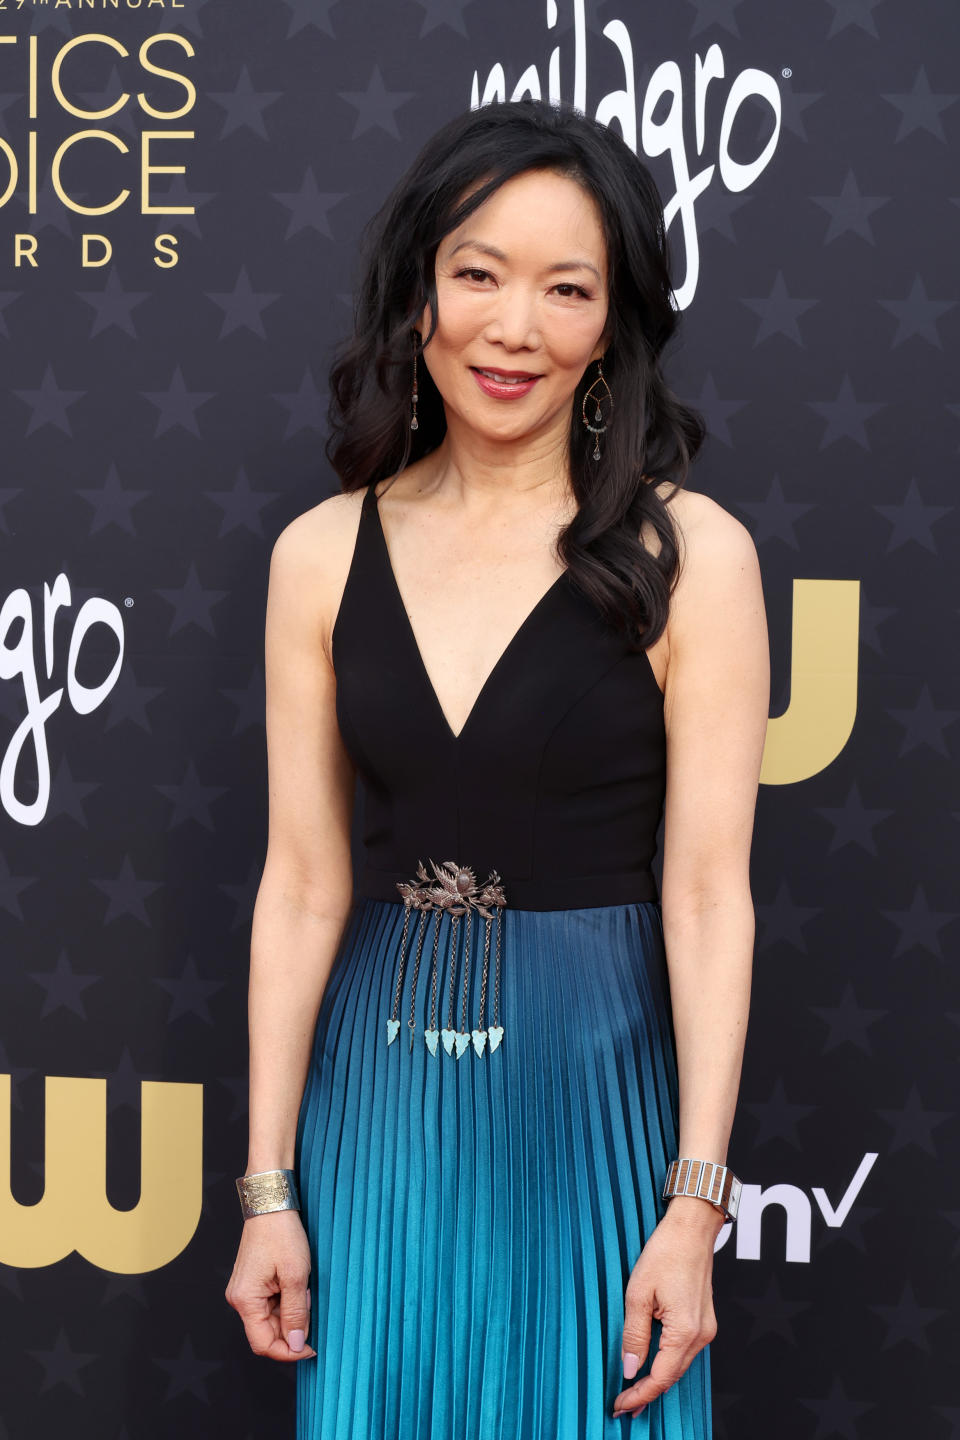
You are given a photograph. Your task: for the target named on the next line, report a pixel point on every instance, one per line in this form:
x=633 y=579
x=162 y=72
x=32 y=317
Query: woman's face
x=522 y=305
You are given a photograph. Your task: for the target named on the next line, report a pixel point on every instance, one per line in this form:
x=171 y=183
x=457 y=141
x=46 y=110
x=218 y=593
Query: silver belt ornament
x=452 y=888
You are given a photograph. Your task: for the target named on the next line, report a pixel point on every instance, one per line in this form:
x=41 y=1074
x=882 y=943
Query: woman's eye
x=571 y=290
x=472 y=274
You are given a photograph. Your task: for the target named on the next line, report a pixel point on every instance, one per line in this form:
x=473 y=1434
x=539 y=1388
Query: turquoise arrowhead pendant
x=479 y=1040
x=447 y=1036
x=393 y=1027
x=496 y=1035
x=431 y=1037
x=462 y=1039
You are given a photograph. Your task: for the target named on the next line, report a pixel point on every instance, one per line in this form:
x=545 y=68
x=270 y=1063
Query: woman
x=529 y=643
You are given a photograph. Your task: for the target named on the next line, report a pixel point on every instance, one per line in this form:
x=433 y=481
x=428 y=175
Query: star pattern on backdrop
x=920 y=108
x=376 y=106
x=113 y=305
x=309 y=206
x=850 y=211
x=244 y=106
x=49 y=403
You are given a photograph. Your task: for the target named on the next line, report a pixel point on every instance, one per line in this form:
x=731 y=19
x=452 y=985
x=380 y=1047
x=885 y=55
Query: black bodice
x=557 y=778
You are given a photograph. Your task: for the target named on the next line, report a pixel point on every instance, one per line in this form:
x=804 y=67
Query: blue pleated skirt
x=473 y=1221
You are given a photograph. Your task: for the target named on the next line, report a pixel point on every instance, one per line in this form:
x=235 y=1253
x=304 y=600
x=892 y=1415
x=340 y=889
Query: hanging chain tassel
x=452 y=888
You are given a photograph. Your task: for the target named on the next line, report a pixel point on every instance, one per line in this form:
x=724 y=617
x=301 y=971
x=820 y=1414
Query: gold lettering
x=183 y=80
x=146 y=170
x=167 y=255
x=25 y=248
x=58 y=89
x=816 y=725
x=62 y=149
x=90 y=262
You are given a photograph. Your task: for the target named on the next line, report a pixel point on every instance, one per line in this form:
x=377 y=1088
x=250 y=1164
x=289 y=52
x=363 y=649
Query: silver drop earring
x=414 y=422
x=590 y=398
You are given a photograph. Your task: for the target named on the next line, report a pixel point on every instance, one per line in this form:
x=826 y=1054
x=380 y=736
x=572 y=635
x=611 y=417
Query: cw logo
x=795 y=1204
x=817 y=723
x=74 y=1213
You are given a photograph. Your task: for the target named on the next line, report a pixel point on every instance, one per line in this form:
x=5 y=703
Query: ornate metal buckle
x=452 y=888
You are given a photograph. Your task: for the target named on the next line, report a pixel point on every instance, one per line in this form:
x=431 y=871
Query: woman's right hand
x=269 y=1285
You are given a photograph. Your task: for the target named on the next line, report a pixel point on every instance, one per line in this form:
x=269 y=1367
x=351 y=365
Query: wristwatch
x=715 y=1183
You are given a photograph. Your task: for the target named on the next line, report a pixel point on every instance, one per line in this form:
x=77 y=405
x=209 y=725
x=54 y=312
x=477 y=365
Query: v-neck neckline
x=456 y=735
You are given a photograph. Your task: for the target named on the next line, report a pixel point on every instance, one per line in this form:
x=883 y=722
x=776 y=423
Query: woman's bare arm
x=716 y=703
x=306 y=889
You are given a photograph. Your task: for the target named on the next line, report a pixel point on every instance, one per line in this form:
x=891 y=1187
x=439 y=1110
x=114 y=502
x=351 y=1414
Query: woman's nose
x=515 y=323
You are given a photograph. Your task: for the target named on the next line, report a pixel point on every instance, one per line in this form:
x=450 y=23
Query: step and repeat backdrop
x=182 y=190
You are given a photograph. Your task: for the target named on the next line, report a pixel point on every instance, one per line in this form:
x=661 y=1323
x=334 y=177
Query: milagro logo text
x=93 y=161
x=17 y=662
x=664 y=96
x=797 y=1215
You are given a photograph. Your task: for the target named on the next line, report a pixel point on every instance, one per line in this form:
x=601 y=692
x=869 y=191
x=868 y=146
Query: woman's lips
x=505 y=388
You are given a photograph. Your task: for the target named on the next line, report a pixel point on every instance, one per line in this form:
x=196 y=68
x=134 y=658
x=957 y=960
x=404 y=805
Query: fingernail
x=631 y=1364
x=296 y=1339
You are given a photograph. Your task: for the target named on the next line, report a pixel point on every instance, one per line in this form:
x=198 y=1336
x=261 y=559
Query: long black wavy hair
x=651 y=436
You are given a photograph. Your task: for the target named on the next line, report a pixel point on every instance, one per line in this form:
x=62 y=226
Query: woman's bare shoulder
x=313 y=552
x=703 y=525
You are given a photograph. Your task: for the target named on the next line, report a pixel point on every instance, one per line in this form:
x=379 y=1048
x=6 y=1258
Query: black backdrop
x=162 y=415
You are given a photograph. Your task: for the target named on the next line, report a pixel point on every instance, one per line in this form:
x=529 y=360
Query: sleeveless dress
x=491 y=1103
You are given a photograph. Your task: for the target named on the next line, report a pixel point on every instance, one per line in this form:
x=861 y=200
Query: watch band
x=707 y=1181
x=266 y=1191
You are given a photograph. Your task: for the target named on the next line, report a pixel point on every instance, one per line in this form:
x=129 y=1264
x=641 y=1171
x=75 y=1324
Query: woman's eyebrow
x=495 y=254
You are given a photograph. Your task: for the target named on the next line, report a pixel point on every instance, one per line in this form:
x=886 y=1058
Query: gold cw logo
x=816 y=725
x=74 y=1213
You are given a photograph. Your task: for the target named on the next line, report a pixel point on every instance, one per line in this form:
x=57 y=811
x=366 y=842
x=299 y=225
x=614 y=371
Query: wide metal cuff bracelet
x=707 y=1181
x=267 y=1190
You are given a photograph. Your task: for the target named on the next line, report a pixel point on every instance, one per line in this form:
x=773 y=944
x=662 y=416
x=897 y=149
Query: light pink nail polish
x=631 y=1364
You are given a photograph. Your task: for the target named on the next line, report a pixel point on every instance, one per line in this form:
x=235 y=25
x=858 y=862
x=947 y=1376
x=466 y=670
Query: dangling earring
x=597 y=429
x=414 y=422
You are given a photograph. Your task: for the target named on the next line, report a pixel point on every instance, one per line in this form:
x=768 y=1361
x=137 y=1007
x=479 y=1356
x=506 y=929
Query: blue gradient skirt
x=473 y=1221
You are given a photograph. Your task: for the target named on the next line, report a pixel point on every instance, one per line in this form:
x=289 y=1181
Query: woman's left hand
x=671 y=1282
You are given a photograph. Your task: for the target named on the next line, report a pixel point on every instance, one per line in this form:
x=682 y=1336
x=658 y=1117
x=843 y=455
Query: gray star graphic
x=178 y=405
x=127 y=894
x=907 y=1320
x=715 y=210
x=7 y=297
x=851 y=1231
x=112 y=504
x=772 y=1313
x=11 y=886
x=124 y=1085
x=113 y=305
x=920 y=925
x=191 y=800
x=924 y=725
x=49 y=404
x=245 y=106
x=779 y=313
x=242 y=306
x=244 y=895
x=871 y=618
x=778 y=1118
x=192 y=604
x=310 y=12
x=853 y=12
x=912 y=520
x=850 y=211
x=375 y=106
x=125 y=1286
x=837 y=1413
x=250 y=703
x=783 y=920
x=64 y=987
x=775 y=517
x=190 y=993
x=443 y=12
x=241 y=506
x=917 y=315
x=853 y=823
x=920 y=108
x=128 y=700
x=309 y=206
x=845 y=416
x=717 y=411
x=848 y=1022
x=306 y=407
x=913 y=1125
x=715 y=12
x=793 y=103
x=188 y=1374
x=67 y=795
x=62 y=1365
